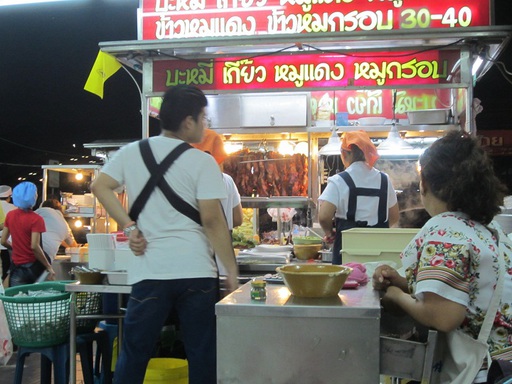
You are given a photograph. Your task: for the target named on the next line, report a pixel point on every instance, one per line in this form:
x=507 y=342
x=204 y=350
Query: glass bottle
x=258 y=289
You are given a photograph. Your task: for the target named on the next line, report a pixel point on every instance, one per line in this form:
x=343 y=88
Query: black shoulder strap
x=381 y=193
x=157 y=172
x=352 y=196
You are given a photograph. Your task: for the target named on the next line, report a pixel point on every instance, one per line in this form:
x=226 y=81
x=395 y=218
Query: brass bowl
x=314 y=280
x=90 y=278
x=306 y=251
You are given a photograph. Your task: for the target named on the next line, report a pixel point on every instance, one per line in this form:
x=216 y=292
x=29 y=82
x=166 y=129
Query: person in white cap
x=5 y=202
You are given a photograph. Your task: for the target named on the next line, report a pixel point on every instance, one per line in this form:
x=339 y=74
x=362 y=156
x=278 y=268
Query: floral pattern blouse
x=457 y=258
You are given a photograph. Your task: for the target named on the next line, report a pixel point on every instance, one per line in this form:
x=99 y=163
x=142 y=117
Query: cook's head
x=183 y=111
x=456 y=170
x=360 y=146
x=213 y=143
x=5 y=192
x=24 y=195
x=52 y=203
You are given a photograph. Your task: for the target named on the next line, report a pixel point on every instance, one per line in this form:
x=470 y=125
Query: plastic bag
x=6 y=348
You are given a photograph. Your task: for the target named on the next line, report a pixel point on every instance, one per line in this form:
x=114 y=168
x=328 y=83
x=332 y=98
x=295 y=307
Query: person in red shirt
x=25 y=228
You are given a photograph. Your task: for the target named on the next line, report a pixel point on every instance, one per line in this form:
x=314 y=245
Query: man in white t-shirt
x=213 y=144
x=58 y=231
x=7 y=206
x=174 y=267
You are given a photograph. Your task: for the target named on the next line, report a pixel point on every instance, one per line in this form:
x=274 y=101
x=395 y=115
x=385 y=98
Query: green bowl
x=305 y=240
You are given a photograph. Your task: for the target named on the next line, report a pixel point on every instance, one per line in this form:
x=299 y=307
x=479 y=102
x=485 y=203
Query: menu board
x=176 y=19
x=307 y=71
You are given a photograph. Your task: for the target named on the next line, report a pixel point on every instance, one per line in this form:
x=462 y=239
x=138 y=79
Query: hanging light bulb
x=394 y=141
x=232 y=147
x=301 y=148
x=394 y=144
x=285 y=147
x=333 y=146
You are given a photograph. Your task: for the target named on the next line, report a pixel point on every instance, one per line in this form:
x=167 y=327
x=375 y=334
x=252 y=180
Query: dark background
x=47 y=52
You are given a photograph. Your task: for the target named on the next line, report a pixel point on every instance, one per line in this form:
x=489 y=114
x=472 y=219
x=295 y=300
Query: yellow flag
x=104 y=67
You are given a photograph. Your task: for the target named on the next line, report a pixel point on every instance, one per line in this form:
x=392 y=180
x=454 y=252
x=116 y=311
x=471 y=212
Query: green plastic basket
x=37 y=321
x=86 y=303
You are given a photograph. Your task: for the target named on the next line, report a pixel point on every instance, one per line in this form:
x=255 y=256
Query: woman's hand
x=384 y=277
x=389 y=301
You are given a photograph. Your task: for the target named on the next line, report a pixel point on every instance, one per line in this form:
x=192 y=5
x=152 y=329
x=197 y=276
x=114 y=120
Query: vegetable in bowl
x=306 y=240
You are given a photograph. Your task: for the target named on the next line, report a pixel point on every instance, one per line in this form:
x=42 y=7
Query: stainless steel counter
x=287 y=339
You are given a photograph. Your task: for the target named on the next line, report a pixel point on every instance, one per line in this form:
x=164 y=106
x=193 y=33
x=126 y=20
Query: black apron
x=350 y=222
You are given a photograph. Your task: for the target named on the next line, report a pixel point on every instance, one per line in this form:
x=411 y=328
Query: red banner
x=172 y=19
x=367 y=103
x=306 y=71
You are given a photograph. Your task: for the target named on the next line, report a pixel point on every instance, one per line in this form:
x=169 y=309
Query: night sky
x=47 y=52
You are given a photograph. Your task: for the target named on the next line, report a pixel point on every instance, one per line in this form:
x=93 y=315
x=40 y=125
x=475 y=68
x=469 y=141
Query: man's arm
x=216 y=230
x=325 y=218
x=5 y=238
x=103 y=188
x=393 y=215
x=238 y=216
x=35 y=244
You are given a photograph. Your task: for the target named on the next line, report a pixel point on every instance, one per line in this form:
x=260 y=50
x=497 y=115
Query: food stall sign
x=496 y=142
x=300 y=72
x=174 y=19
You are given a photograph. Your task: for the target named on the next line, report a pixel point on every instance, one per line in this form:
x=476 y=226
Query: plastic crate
x=362 y=245
x=37 y=321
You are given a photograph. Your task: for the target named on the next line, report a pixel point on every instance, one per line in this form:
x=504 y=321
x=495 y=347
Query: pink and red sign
x=174 y=19
x=306 y=72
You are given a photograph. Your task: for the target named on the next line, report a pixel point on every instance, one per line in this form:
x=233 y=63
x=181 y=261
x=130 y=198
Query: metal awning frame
x=484 y=42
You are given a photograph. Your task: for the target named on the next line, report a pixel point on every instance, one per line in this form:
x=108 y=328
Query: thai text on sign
x=173 y=19
x=305 y=71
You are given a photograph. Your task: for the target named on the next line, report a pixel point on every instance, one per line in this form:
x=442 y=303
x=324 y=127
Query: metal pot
x=326 y=255
x=429 y=116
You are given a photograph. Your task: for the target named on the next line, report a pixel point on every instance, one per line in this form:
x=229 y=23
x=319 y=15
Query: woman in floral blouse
x=451 y=265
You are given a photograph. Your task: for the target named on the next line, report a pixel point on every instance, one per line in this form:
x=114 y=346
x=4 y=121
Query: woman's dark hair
x=178 y=103
x=357 y=153
x=459 y=172
x=52 y=203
